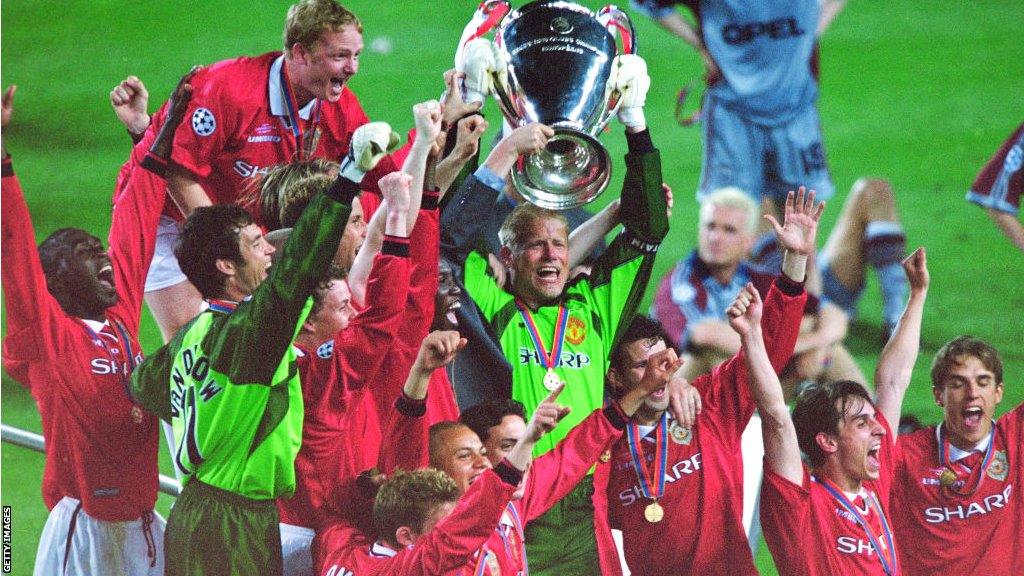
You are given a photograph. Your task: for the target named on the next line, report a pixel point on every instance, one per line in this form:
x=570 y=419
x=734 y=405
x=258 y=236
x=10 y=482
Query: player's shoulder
x=238 y=80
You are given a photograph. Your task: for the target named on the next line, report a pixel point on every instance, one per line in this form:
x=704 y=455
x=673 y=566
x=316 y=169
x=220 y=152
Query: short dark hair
x=640 y=328
x=484 y=416
x=952 y=353
x=209 y=234
x=409 y=499
x=55 y=254
x=334 y=273
x=816 y=411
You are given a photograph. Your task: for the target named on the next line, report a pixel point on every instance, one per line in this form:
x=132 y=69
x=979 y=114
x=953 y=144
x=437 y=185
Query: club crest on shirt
x=576 y=331
x=999 y=467
x=203 y=122
x=326 y=350
x=680 y=434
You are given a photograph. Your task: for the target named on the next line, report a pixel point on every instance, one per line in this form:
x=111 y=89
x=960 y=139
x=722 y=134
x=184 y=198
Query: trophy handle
x=620 y=27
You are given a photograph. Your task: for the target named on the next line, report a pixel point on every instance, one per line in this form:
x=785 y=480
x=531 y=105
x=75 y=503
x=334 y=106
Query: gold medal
x=606 y=456
x=551 y=380
x=947 y=478
x=136 y=414
x=654 y=512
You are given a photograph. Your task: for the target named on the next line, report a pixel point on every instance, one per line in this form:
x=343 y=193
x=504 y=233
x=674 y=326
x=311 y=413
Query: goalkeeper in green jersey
x=228 y=382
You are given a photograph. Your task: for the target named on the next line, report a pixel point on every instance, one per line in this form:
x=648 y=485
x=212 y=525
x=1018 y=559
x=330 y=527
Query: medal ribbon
x=660 y=461
x=557 y=343
x=293 y=115
x=889 y=561
x=222 y=306
x=122 y=337
x=520 y=544
x=977 y=476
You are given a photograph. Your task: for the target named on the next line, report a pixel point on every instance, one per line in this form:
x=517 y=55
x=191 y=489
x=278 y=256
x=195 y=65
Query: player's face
x=860 y=442
x=503 y=437
x=333 y=60
x=256 y=251
x=89 y=274
x=447 y=300
x=461 y=455
x=352 y=239
x=634 y=357
x=723 y=239
x=335 y=311
x=541 y=265
x=968 y=396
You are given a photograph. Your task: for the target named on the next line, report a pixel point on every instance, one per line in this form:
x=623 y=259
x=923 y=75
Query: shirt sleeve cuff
x=411 y=407
x=488 y=178
x=395 y=246
x=431 y=199
x=788 y=286
x=640 y=143
x=7 y=167
x=508 y=473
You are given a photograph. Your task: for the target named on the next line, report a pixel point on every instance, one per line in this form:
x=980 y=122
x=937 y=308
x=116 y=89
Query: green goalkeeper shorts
x=562 y=541
x=213 y=531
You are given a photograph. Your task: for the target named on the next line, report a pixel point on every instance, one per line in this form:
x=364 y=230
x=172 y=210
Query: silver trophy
x=558 y=58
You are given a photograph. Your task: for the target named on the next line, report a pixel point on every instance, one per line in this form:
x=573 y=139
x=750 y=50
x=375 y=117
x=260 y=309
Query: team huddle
x=380 y=359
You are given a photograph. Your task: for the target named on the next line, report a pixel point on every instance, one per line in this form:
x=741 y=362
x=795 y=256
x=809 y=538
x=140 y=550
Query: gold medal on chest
x=136 y=415
x=680 y=434
x=947 y=478
x=654 y=512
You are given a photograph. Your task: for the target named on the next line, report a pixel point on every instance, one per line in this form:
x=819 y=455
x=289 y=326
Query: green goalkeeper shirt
x=599 y=306
x=228 y=381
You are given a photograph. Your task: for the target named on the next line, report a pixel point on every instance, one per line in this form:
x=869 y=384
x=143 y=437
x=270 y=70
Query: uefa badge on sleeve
x=203 y=122
x=999 y=467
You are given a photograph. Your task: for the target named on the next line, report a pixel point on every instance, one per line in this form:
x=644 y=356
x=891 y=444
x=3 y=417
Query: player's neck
x=647 y=416
x=832 y=472
x=302 y=95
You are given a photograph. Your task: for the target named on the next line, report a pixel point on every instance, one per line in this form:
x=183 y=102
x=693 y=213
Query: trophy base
x=572 y=170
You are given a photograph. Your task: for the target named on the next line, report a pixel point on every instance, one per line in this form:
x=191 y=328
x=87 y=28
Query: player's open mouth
x=548 y=273
x=973 y=416
x=657 y=394
x=874 y=463
x=337 y=84
x=106 y=276
x=449 y=313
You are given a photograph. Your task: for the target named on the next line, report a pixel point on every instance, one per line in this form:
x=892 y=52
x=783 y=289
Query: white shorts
x=164 y=271
x=75 y=543
x=296 y=549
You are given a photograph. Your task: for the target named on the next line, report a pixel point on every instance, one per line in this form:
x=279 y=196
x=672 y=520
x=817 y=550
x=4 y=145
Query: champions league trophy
x=553 y=61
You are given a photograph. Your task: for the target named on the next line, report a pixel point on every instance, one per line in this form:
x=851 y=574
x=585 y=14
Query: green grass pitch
x=921 y=93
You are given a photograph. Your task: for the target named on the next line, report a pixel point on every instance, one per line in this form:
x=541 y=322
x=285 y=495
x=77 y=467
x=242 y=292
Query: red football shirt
x=809 y=532
x=940 y=531
x=702 y=530
x=100 y=447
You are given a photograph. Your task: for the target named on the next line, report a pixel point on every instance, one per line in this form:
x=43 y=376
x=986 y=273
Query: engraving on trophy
x=561 y=25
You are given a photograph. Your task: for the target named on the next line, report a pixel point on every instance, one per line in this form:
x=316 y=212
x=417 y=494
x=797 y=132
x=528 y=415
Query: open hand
x=799 y=230
x=684 y=401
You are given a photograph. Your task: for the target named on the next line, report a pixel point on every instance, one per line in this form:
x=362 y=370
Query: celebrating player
x=703 y=457
x=73 y=314
x=834 y=517
x=228 y=382
x=249 y=114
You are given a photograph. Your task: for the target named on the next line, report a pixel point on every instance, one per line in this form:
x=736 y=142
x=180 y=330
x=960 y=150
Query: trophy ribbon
x=654 y=511
x=549 y=361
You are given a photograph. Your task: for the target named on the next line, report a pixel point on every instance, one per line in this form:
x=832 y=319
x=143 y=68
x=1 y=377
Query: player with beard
x=73 y=314
x=962 y=476
x=248 y=114
x=702 y=459
x=832 y=516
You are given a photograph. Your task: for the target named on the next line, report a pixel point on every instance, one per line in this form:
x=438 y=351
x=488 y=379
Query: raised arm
x=427 y=116
x=781 y=451
x=390 y=219
x=895 y=366
x=1009 y=224
x=130 y=101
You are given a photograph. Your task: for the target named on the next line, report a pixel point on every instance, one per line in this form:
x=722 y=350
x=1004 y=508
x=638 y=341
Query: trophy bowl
x=558 y=58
